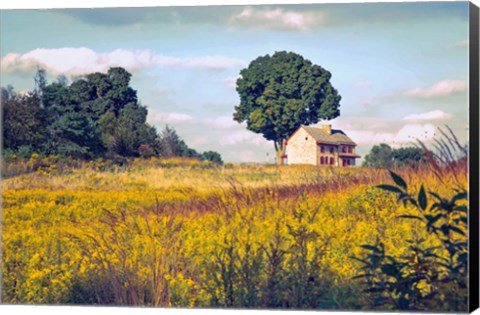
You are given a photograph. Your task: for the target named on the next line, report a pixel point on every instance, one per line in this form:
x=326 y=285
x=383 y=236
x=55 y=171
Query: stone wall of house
x=327 y=155
x=302 y=148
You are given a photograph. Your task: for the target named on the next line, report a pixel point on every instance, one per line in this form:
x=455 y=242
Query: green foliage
x=427 y=278
x=6 y=93
x=23 y=121
x=212 y=156
x=73 y=134
x=40 y=81
x=171 y=145
x=95 y=116
x=279 y=93
x=408 y=156
x=25 y=151
x=383 y=156
x=380 y=156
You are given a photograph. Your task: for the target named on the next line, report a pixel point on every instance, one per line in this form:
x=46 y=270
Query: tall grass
x=190 y=234
x=432 y=275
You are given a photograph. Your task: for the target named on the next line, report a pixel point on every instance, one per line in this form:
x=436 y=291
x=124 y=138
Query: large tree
x=279 y=93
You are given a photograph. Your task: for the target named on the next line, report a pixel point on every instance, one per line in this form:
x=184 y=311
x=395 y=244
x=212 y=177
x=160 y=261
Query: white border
x=47 y=4
x=94 y=310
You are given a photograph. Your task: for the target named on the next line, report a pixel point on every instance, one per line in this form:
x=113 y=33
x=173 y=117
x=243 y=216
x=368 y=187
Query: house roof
x=336 y=137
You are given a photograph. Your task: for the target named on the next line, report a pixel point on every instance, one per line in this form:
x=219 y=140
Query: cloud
x=222 y=122
x=442 y=88
x=368 y=131
x=198 y=62
x=433 y=115
x=155 y=117
x=77 y=61
x=407 y=134
x=364 y=123
x=463 y=43
x=277 y=19
x=241 y=136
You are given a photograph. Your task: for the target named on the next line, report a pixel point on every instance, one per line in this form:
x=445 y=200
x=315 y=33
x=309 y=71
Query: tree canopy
x=97 y=115
x=383 y=156
x=279 y=93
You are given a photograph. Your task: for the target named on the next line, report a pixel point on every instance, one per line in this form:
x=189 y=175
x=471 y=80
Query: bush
x=146 y=151
x=25 y=151
x=228 y=165
x=428 y=277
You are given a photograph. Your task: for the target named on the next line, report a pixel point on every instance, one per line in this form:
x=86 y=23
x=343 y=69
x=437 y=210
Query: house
x=320 y=146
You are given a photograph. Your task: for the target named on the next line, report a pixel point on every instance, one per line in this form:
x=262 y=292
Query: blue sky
x=401 y=68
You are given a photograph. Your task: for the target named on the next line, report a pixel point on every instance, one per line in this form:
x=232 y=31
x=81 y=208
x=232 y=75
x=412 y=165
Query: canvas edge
x=474 y=160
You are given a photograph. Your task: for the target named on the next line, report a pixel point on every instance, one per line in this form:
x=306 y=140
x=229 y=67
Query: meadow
x=185 y=233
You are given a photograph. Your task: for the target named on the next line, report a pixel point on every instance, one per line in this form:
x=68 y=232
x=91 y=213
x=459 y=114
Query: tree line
x=384 y=156
x=97 y=115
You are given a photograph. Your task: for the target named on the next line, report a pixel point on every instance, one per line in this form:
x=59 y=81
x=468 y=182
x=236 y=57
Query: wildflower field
x=185 y=233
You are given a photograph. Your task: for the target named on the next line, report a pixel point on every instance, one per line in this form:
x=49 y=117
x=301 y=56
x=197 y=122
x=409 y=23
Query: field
x=184 y=233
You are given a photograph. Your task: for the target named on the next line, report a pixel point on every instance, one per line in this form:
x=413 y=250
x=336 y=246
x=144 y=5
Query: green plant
x=427 y=278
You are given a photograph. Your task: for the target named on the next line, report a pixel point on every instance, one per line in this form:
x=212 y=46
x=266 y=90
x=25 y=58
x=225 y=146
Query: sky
x=401 y=68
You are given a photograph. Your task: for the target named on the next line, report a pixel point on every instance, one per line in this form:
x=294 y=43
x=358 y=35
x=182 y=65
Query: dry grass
x=187 y=233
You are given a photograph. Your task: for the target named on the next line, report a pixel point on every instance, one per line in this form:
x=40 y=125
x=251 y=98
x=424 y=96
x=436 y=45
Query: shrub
x=428 y=277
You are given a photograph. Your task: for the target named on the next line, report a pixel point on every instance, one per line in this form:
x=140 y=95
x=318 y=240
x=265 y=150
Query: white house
x=320 y=146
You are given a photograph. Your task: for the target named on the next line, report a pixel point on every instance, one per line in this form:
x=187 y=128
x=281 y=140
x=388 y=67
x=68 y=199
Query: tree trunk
x=280 y=151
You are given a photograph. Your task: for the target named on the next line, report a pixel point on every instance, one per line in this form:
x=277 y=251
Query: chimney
x=327 y=129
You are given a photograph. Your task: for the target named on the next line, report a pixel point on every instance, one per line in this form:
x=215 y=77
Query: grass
x=191 y=234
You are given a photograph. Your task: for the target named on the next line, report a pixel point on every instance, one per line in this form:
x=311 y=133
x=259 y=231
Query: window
x=306 y=138
x=322 y=149
x=344 y=149
x=344 y=162
x=331 y=160
x=331 y=150
x=349 y=149
x=321 y=160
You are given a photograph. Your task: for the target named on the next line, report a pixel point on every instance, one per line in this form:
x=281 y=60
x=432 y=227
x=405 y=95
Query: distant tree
x=132 y=130
x=73 y=134
x=380 y=156
x=212 y=156
x=70 y=132
x=23 y=122
x=408 y=156
x=96 y=115
x=6 y=93
x=40 y=81
x=146 y=151
x=107 y=125
x=383 y=156
x=120 y=93
x=187 y=151
x=107 y=104
x=62 y=79
x=170 y=143
x=279 y=93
